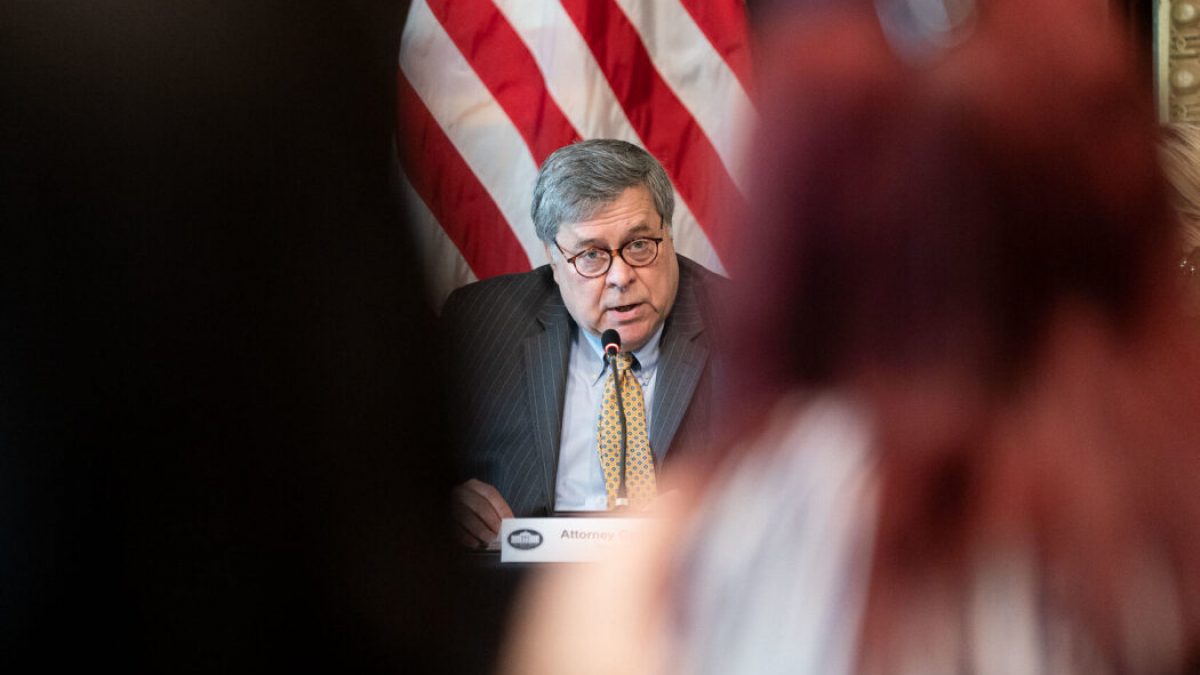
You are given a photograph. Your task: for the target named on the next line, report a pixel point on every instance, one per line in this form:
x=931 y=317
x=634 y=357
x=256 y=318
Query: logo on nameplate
x=525 y=539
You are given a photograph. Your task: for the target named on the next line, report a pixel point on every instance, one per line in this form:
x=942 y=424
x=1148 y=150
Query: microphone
x=611 y=340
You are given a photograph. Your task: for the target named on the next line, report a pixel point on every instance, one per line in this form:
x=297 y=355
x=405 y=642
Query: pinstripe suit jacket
x=511 y=336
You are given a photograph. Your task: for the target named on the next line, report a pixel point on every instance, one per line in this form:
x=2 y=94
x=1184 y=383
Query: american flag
x=489 y=88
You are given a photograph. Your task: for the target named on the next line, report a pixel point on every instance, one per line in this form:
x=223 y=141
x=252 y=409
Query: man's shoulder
x=707 y=287
x=696 y=273
x=524 y=291
x=538 y=277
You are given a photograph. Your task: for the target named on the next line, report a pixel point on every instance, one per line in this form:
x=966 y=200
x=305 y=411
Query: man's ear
x=553 y=263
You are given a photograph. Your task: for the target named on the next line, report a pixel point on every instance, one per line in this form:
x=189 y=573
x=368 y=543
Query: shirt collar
x=646 y=358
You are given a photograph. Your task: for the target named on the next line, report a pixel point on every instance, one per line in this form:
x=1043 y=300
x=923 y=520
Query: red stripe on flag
x=660 y=119
x=508 y=70
x=453 y=194
x=724 y=23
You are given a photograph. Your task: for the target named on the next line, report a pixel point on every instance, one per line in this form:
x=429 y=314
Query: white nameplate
x=537 y=540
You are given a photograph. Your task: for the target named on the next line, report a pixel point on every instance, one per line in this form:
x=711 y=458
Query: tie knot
x=624 y=361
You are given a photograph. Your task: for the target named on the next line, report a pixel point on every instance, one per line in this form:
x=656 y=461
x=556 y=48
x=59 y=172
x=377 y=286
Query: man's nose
x=620 y=273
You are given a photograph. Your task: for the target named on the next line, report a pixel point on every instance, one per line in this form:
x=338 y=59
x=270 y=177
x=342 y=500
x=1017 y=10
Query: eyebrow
x=636 y=232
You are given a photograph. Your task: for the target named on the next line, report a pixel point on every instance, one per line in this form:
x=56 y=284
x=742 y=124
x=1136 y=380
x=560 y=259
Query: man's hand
x=478 y=509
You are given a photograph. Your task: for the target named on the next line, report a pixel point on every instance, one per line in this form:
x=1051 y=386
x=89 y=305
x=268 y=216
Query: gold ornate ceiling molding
x=1177 y=59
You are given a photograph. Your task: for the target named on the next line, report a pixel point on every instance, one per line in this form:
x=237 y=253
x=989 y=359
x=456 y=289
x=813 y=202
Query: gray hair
x=578 y=180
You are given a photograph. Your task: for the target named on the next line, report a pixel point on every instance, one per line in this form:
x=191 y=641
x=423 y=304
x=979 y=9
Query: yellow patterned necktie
x=639 y=460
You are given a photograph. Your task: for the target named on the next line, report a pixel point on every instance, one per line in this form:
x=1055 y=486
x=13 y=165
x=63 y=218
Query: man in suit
x=530 y=368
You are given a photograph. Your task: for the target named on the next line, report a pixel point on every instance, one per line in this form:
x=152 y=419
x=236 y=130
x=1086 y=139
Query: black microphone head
x=611 y=340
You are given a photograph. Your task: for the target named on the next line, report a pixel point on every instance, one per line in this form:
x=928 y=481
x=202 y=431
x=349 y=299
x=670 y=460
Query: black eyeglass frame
x=612 y=255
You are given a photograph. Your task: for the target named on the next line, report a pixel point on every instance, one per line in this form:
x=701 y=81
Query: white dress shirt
x=580 y=482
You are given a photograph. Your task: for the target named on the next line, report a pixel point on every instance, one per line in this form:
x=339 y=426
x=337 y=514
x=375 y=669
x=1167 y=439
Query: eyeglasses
x=595 y=262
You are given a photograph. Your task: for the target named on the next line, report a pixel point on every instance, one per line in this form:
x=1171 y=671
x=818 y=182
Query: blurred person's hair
x=938 y=214
x=1181 y=159
x=1181 y=162
x=926 y=233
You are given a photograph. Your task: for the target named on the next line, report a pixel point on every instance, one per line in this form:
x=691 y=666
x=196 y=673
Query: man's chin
x=633 y=336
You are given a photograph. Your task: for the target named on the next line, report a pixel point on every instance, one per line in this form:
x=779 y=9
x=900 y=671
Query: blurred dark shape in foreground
x=220 y=429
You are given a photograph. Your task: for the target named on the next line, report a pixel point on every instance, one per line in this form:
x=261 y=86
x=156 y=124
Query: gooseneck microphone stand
x=611 y=340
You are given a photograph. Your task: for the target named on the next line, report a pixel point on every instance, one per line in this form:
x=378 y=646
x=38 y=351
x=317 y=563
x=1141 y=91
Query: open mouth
x=624 y=308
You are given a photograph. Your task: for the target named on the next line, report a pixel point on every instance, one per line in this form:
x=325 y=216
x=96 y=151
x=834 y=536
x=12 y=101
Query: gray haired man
x=530 y=371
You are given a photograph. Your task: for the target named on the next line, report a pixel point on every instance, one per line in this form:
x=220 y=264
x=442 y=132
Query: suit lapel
x=684 y=354
x=546 y=352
